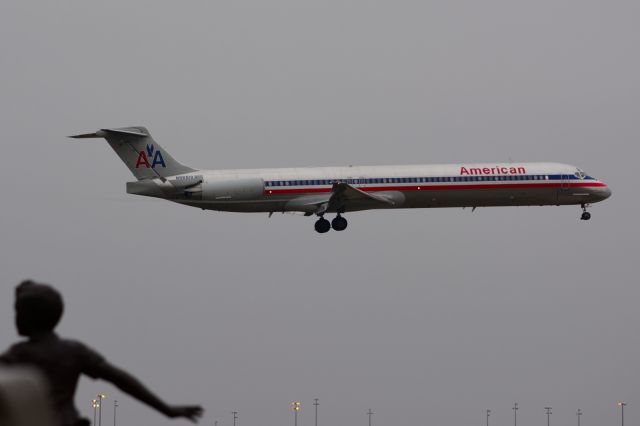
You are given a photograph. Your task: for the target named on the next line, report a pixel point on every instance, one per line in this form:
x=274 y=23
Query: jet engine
x=232 y=190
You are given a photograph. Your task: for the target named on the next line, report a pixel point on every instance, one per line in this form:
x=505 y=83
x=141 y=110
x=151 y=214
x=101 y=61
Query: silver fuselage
x=420 y=186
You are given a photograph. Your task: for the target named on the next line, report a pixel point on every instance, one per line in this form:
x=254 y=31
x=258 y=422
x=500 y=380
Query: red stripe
x=441 y=187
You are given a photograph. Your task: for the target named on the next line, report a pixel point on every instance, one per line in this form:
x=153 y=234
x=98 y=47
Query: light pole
x=548 y=415
x=235 y=417
x=95 y=404
x=296 y=408
x=316 y=403
x=370 y=413
x=100 y=397
x=115 y=407
x=579 y=413
x=622 y=405
x=488 y=414
x=515 y=414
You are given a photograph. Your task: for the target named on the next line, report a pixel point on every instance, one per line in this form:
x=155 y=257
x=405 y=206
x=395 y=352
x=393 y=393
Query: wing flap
x=343 y=192
x=343 y=197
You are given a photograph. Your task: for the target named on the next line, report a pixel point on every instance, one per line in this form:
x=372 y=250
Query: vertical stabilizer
x=143 y=156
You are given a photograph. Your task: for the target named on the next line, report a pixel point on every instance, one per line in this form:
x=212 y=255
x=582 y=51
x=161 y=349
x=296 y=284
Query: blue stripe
x=431 y=179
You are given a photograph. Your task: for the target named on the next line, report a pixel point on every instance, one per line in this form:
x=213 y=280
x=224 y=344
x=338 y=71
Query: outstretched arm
x=5 y=357
x=129 y=384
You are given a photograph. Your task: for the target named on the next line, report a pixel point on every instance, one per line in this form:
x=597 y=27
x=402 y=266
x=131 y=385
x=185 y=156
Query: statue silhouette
x=38 y=309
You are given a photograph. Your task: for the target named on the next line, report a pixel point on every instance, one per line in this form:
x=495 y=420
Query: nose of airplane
x=603 y=192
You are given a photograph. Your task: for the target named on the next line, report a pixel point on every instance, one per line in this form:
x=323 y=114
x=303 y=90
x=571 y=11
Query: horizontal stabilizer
x=86 y=136
x=128 y=131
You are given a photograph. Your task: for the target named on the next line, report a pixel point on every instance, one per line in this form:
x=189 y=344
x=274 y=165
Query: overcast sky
x=425 y=316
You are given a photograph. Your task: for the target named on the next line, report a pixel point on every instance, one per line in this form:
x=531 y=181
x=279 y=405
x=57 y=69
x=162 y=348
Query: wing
x=344 y=197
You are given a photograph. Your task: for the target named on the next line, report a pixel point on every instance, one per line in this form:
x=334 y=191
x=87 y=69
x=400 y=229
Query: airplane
x=340 y=190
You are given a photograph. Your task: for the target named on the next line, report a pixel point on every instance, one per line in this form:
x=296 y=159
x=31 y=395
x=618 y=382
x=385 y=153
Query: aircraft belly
x=481 y=197
x=255 y=206
x=431 y=198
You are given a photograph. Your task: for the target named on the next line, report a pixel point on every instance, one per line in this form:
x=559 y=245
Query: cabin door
x=563 y=192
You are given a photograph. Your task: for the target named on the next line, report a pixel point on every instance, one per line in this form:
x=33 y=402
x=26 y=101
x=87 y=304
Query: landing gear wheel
x=322 y=225
x=339 y=223
x=585 y=216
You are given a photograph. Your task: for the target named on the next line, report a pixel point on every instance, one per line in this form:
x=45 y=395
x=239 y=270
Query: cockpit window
x=580 y=174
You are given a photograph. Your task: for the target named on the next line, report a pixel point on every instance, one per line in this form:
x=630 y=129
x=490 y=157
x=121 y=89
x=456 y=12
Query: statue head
x=39 y=308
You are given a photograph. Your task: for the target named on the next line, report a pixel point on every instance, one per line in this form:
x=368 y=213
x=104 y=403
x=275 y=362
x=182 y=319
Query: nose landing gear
x=585 y=214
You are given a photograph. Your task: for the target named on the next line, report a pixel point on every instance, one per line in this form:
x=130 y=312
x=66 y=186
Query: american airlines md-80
x=322 y=190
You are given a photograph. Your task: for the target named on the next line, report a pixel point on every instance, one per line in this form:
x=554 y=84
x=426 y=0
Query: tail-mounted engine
x=225 y=190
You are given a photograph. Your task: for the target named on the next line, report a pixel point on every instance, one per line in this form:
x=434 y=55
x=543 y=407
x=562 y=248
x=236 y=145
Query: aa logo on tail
x=151 y=154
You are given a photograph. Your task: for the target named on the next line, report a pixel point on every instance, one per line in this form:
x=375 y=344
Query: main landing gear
x=585 y=214
x=322 y=225
x=338 y=223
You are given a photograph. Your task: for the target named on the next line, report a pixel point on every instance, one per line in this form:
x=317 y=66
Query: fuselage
x=418 y=186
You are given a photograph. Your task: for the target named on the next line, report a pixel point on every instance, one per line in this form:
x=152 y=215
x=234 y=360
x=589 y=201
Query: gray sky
x=426 y=316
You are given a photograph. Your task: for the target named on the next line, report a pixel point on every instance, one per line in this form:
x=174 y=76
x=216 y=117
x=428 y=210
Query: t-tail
x=143 y=156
